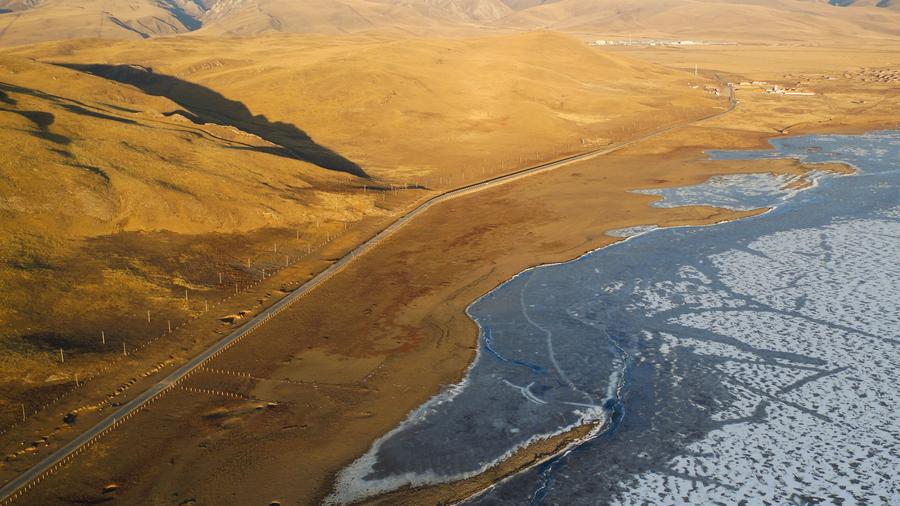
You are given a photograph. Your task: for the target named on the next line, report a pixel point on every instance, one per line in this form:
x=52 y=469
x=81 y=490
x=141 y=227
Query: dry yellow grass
x=27 y=22
x=119 y=197
x=405 y=107
x=855 y=88
x=110 y=209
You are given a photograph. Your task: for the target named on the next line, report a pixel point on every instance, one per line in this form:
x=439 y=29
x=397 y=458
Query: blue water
x=755 y=359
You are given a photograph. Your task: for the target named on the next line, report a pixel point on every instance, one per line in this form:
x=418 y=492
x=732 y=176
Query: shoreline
x=715 y=216
x=831 y=187
x=534 y=451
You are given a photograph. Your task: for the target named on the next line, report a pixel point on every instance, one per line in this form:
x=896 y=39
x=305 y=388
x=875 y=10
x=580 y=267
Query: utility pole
x=220 y=278
x=124 y=351
x=103 y=337
x=76 y=380
x=62 y=358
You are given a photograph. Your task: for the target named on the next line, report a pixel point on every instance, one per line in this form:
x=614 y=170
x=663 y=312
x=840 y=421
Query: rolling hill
x=29 y=21
x=144 y=168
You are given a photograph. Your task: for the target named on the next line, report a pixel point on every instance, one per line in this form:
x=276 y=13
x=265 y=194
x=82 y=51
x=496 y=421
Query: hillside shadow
x=43 y=120
x=203 y=105
x=68 y=104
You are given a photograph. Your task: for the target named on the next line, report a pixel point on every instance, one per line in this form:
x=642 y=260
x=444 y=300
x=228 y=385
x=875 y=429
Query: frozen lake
x=753 y=360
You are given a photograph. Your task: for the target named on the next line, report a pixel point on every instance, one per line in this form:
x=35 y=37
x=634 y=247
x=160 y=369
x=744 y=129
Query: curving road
x=21 y=484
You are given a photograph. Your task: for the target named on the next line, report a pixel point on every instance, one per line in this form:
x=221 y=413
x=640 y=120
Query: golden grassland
x=849 y=96
x=129 y=190
x=406 y=107
x=319 y=383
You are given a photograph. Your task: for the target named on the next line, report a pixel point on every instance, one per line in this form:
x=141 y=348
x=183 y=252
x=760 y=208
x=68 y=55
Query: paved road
x=31 y=477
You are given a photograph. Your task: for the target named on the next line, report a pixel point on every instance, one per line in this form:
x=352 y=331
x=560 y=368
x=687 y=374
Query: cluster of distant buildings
x=758 y=86
x=773 y=89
